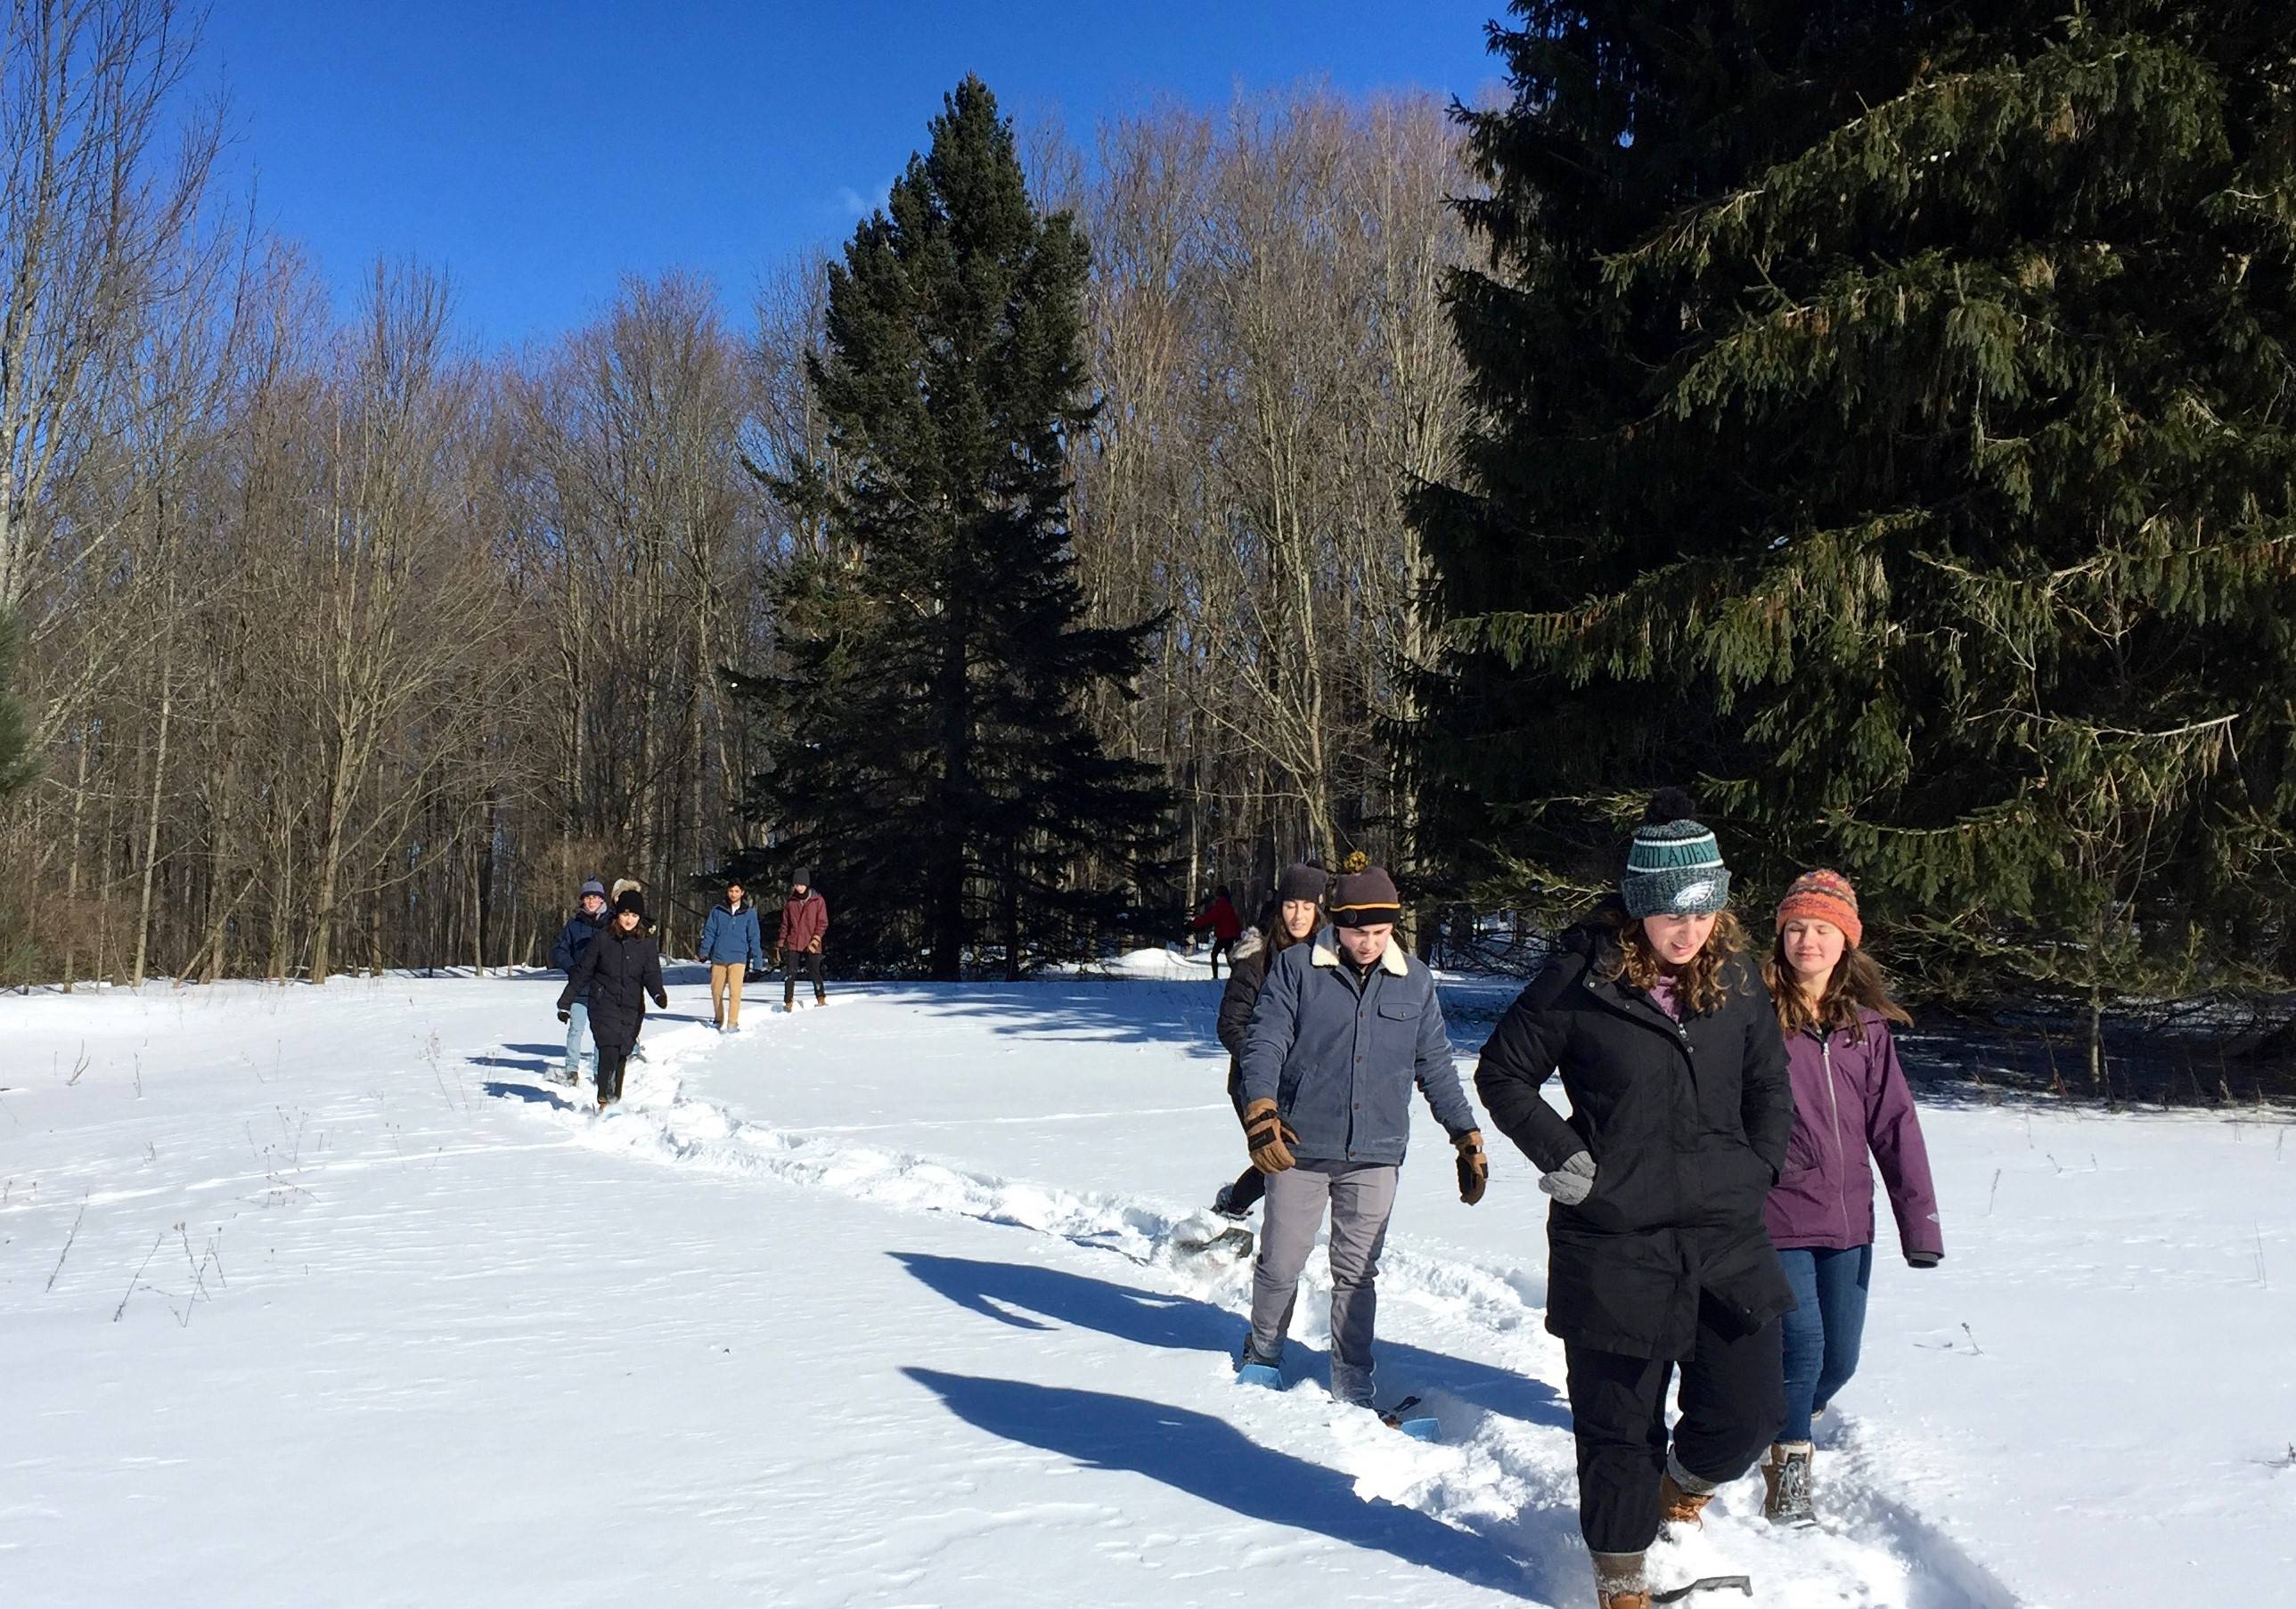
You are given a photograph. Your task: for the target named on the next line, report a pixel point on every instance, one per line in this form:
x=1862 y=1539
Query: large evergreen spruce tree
x=1887 y=417
x=930 y=758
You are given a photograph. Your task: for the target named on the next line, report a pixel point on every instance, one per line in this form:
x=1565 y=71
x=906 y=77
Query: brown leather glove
x=1474 y=1167
x=1270 y=1138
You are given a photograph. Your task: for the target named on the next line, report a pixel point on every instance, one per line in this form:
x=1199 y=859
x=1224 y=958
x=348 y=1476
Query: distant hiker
x=1293 y=917
x=1344 y=1027
x=1227 y=927
x=1850 y=1097
x=731 y=944
x=805 y=923
x=573 y=938
x=1680 y=1110
x=619 y=969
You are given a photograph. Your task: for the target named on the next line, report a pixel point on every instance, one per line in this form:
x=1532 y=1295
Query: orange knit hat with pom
x=1824 y=896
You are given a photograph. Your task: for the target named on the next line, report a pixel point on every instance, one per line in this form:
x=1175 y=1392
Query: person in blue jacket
x=731 y=944
x=1343 y=1031
x=573 y=938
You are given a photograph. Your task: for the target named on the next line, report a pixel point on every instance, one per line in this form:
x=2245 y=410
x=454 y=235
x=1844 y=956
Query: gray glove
x=1573 y=1182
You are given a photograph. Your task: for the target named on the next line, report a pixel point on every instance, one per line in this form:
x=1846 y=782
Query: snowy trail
x=330 y=1296
x=1466 y=1336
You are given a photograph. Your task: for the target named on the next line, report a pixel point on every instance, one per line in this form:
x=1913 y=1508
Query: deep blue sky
x=537 y=151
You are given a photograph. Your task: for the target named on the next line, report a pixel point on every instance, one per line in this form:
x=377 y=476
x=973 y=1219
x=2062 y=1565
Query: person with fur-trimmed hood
x=1345 y=1028
x=619 y=969
x=1293 y=915
x=1658 y=1263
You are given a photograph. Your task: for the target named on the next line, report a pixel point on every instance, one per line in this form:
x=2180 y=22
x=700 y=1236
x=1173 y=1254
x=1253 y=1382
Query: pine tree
x=930 y=755
x=1889 y=419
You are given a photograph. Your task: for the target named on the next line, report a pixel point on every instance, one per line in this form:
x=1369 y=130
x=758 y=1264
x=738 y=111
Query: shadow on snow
x=1210 y=1459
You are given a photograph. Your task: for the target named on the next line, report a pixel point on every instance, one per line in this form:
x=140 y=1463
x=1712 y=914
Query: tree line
x=345 y=646
x=1872 y=417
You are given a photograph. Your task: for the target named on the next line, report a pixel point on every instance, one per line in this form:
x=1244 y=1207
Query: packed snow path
x=332 y=1296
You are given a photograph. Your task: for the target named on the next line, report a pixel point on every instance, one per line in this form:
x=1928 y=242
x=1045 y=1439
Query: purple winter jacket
x=1850 y=1096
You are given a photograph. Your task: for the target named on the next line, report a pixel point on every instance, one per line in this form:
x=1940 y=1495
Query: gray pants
x=1361 y=1196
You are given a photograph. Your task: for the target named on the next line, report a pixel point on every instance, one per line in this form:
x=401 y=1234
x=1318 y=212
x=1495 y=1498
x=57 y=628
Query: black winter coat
x=617 y=970
x=1687 y=1123
x=1247 y=970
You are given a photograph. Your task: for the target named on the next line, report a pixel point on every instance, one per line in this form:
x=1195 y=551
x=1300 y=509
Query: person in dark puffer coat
x=588 y=919
x=1680 y=1109
x=1292 y=917
x=619 y=969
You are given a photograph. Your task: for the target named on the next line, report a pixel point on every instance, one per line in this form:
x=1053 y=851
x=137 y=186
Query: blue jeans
x=578 y=1023
x=1822 y=1331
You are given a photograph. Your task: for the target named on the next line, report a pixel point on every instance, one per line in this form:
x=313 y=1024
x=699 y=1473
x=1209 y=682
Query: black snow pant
x=611 y=1060
x=1222 y=947
x=798 y=962
x=1250 y=1184
x=1732 y=1399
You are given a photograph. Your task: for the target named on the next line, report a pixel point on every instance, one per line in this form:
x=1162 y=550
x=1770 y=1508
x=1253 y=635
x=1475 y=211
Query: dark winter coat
x=805 y=920
x=575 y=938
x=1851 y=1095
x=1687 y=1123
x=618 y=970
x=1220 y=916
x=1247 y=970
x=1339 y=1054
x=732 y=938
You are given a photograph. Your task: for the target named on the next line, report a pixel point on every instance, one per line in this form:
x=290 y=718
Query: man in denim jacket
x=1343 y=1031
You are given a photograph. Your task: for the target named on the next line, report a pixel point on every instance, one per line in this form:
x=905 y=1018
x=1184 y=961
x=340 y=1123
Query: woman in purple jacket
x=1850 y=1097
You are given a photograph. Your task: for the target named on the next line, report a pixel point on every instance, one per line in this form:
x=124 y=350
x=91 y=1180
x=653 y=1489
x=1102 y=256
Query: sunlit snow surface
x=332 y=1296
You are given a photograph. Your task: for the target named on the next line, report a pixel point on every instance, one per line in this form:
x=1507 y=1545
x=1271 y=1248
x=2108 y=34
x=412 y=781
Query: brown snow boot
x=1618 y=1581
x=1786 y=1499
x=1680 y=1507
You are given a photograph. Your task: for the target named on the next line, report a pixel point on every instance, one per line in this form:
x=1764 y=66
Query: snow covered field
x=328 y=1296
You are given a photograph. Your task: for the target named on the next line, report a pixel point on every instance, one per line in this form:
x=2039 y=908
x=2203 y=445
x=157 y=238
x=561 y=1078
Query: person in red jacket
x=1226 y=926
x=805 y=923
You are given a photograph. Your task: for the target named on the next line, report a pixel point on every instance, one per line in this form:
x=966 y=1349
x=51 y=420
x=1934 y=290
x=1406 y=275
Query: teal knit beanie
x=1675 y=868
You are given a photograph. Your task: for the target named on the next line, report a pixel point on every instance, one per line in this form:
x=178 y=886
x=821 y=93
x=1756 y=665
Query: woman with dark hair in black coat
x=619 y=969
x=1293 y=917
x=1658 y=1258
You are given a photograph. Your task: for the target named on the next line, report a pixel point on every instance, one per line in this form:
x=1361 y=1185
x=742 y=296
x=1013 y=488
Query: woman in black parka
x=1680 y=1110
x=1293 y=915
x=621 y=966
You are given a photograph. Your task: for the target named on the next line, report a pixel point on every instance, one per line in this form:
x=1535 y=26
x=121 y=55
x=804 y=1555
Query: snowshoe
x=1199 y=1238
x=1419 y=1426
x=1786 y=1497
x=1711 y=1583
x=1252 y=1369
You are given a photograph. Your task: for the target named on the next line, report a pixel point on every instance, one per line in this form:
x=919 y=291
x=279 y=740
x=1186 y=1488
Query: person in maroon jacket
x=1850 y=1097
x=805 y=923
x=1226 y=926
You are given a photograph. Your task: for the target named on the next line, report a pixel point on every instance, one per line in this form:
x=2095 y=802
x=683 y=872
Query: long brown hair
x=1279 y=937
x=1857 y=986
x=1700 y=983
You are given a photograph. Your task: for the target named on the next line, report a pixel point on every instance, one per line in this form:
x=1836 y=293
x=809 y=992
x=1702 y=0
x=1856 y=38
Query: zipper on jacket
x=1833 y=1102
